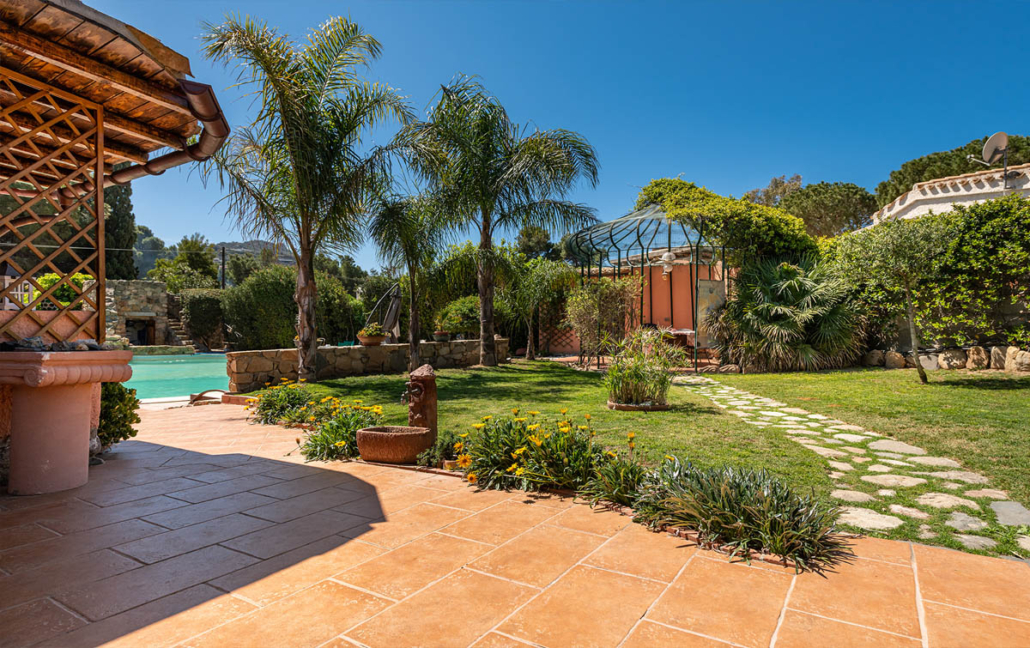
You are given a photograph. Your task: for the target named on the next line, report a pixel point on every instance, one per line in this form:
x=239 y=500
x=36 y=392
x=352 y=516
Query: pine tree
x=120 y=232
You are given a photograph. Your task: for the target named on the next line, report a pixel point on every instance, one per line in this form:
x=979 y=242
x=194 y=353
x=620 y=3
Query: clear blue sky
x=726 y=94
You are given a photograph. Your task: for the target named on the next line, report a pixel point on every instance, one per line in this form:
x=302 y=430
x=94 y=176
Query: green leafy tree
x=829 y=209
x=120 y=233
x=148 y=249
x=946 y=163
x=897 y=255
x=535 y=241
x=351 y=274
x=773 y=193
x=407 y=232
x=497 y=175
x=327 y=264
x=198 y=253
x=537 y=281
x=179 y=275
x=241 y=266
x=300 y=175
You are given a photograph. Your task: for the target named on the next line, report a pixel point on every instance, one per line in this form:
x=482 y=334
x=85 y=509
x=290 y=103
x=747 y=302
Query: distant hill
x=233 y=248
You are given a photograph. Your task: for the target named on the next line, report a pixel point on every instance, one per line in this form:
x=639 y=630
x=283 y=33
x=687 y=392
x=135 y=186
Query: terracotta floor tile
x=98 y=600
x=403 y=571
x=597 y=520
x=443 y=482
x=867 y=592
x=75 y=544
x=209 y=510
x=308 y=618
x=949 y=627
x=641 y=552
x=976 y=582
x=173 y=543
x=453 y=612
x=552 y=500
x=288 y=472
x=221 y=489
x=708 y=598
x=367 y=506
x=892 y=551
x=295 y=487
x=16 y=517
x=132 y=493
x=471 y=499
x=59 y=574
x=295 y=570
x=283 y=537
x=500 y=523
x=538 y=556
x=295 y=507
x=215 y=475
x=496 y=640
x=798 y=631
x=161 y=623
x=650 y=635
x=98 y=484
x=91 y=519
x=586 y=607
x=31 y=623
x=392 y=500
x=411 y=523
x=22 y=535
x=148 y=475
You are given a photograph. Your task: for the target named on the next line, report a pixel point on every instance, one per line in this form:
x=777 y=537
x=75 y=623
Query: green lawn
x=981 y=419
x=693 y=428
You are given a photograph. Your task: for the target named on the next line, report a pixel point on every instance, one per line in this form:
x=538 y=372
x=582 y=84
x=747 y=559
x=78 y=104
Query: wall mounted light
x=667 y=260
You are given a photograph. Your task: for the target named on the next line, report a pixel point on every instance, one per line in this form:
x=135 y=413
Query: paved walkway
x=202 y=533
x=883 y=484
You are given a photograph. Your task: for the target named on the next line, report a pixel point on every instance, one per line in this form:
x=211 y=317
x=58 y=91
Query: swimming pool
x=177 y=375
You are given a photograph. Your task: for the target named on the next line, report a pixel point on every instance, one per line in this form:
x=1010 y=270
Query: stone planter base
x=371 y=341
x=394 y=444
x=627 y=407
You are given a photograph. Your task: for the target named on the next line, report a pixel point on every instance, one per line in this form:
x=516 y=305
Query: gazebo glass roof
x=638 y=238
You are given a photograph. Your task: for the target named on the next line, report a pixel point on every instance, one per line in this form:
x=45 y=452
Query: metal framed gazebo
x=645 y=241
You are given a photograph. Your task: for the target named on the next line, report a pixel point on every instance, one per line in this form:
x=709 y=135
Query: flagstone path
x=884 y=484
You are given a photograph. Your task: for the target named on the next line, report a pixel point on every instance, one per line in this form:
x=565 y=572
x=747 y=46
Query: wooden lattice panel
x=51 y=155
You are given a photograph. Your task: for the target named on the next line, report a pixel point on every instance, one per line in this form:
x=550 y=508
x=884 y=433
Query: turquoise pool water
x=177 y=375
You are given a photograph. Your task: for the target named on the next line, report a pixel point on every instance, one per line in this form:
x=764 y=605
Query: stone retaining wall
x=973 y=358
x=250 y=370
x=137 y=300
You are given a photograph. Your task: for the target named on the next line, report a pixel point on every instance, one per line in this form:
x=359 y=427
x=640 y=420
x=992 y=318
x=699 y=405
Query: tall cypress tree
x=120 y=232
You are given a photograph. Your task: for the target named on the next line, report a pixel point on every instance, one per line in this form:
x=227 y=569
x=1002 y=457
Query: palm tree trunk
x=306 y=297
x=487 y=345
x=414 y=361
x=913 y=334
x=530 y=346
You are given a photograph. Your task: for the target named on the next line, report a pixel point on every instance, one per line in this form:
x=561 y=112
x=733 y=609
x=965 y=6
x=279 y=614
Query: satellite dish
x=995 y=147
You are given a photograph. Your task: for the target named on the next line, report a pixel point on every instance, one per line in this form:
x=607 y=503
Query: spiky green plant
x=640 y=372
x=785 y=316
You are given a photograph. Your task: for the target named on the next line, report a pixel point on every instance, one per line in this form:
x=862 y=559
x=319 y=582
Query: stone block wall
x=250 y=370
x=973 y=358
x=138 y=300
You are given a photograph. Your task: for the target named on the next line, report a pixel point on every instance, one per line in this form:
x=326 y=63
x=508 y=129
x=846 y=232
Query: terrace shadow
x=159 y=531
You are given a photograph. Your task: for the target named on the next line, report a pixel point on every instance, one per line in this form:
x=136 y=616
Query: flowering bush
x=528 y=452
x=375 y=329
x=279 y=403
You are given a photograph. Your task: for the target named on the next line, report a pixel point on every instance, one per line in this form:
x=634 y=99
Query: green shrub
x=280 y=402
x=787 y=317
x=640 y=372
x=527 y=453
x=335 y=437
x=742 y=511
x=202 y=314
x=373 y=329
x=338 y=315
x=462 y=316
x=599 y=313
x=617 y=481
x=445 y=448
x=65 y=294
x=118 y=405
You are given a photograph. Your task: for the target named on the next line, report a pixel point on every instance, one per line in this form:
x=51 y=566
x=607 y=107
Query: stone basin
x=394 y=444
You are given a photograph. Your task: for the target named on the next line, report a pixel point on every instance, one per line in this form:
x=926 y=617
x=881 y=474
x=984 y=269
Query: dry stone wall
x=250 y=370
x=137 y=300
x=974 y=358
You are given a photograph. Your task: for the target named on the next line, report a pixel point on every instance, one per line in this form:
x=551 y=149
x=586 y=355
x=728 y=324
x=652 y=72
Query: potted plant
x=640 y=373
x=371 y=335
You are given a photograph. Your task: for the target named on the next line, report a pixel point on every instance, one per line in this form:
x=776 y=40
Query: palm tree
x=299 y=175
x=496 y=175
x=407 y=232
x=537 y=282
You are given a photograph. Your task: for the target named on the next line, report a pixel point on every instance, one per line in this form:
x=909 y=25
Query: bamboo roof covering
x=136 y=79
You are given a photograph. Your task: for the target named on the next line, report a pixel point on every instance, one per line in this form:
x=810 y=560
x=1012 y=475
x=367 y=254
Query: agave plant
x=786 y=316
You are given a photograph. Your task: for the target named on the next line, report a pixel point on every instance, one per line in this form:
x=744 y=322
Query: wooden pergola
x=85 y=101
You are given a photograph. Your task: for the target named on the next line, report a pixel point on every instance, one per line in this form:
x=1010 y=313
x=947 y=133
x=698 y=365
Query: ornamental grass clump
x=528 y=453
x=336 y=435
x=617 y=481
x=641 y=369
x=741 y=510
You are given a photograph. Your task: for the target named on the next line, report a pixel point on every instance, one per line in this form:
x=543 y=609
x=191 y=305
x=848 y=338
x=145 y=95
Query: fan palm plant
x=299 y=175
x=407 y=232
x=496 y=175
x=787 y=317
x=536 y=282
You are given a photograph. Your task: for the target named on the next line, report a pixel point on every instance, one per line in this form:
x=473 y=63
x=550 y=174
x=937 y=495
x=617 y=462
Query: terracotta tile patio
x=202 y=532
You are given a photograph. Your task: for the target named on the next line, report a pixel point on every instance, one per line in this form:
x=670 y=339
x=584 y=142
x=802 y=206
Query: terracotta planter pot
x=628 y=407
x=371 y=341
x=441 y=336
x=394 y=444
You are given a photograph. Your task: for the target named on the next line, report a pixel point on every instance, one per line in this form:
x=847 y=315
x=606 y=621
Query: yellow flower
x=515 y=455
x=463 y=435
x=515 y=411
x=563 y=411
x=533 y=412
x=586 y=416
x=340 y=444
x=267 y=384
x=631 y=436
x=459 y=446
x=632 y=445
x=487 y=417
x=670 y=458
x=478 y=426
x=464 y=461
x=472 y=478
x=358 y=402
x=512 y=468
x=520 y=420
x=533 y=428
x=520 y=472
x=311 y=402
x=304 y=409
x=611 y=454
x=311 y=418
x=535 y=440
x=584 y=427
x=303 y=380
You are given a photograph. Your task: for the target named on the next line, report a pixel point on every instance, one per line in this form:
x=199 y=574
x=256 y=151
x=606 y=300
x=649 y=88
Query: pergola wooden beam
x=64 y=135
x=72 y=61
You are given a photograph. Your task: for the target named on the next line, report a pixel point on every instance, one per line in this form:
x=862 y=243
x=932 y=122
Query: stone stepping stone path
x=883 y=483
